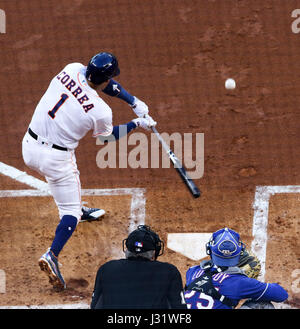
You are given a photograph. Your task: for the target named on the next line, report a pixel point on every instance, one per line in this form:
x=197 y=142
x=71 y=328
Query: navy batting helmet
x=225 y=247
x=101 y=68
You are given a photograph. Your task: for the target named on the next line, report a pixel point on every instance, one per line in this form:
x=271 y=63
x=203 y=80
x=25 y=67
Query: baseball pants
x=60 y=170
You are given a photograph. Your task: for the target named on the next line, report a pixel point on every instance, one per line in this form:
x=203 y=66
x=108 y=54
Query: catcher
x=229 y=277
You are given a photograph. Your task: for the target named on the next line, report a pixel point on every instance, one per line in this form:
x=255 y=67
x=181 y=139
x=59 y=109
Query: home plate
x=191 y=245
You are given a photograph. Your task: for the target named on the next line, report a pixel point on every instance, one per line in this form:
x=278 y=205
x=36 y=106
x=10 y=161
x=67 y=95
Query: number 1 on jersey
x=63 y=98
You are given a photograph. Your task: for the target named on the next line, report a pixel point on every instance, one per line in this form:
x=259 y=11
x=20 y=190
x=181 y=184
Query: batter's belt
x=35 y=136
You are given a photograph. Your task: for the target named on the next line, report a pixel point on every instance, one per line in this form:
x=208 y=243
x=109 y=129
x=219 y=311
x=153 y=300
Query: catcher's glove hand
x=250 y=264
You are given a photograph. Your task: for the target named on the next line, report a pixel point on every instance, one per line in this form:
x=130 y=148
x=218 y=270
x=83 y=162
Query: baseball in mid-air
x=230 y=84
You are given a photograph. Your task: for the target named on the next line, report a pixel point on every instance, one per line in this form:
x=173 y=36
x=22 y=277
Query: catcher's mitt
x=250 y=264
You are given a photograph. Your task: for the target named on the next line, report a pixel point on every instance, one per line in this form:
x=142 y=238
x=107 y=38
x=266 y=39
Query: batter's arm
x=123 y=130
x=114 y=89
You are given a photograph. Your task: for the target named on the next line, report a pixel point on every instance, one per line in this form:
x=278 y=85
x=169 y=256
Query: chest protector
x=205 y=285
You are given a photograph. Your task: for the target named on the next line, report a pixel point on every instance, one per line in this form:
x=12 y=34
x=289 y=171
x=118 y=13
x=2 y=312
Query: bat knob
x=196 y=193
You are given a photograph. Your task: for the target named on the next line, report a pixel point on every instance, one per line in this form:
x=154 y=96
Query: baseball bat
x=178 y=166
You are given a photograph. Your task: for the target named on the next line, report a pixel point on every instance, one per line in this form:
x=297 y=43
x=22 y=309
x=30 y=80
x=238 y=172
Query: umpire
x=139 y=281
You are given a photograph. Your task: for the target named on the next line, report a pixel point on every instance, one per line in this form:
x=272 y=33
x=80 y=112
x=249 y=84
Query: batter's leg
x=66 y=190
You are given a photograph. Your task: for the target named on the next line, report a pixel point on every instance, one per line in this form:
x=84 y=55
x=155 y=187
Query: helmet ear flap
x=208 y=246
x=208 y=250
x=124 y=243
x=243 y=246
x=159 y=248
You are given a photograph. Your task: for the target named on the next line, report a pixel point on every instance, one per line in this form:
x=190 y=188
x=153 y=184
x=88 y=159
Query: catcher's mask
x=144 y=239
x=225 y=247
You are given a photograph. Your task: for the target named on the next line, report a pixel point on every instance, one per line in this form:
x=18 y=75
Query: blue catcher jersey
x=233 y=286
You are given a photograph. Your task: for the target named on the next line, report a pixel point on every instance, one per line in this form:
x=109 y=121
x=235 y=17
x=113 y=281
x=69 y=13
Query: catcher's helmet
x=144 y=239
x=225 y=247
x=101 y=68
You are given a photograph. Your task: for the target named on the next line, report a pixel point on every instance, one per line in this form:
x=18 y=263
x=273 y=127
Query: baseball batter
x=70 y=108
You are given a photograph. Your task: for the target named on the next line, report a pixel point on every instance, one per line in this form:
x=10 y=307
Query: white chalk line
x=45 y=307
x=138 y=201
x=137 y=205
x=22 y=177
x=260 y=219
x=41 y=189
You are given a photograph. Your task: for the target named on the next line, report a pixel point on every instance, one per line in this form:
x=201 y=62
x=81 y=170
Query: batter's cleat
x=91 y=214
x=49 y=264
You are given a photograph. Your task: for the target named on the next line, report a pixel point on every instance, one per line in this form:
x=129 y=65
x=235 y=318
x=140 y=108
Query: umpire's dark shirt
x=137 y=283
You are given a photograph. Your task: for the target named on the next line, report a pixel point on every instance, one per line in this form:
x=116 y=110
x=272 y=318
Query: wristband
x=122 y=130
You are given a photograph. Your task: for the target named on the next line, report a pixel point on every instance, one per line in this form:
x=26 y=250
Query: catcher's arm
x=251 y=266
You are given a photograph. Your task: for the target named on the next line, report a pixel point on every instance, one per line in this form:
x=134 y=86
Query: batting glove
x=139 y=108
x=145 y=123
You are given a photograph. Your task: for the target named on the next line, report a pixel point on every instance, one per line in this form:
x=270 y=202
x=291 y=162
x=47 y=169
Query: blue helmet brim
x=219 y=261
x=117 y=72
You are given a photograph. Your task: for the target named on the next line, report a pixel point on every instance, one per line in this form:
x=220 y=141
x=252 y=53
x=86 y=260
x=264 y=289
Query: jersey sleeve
x=242 y=287
x=97 y=292
x=103 y=126
x=175 y=295
x=274 y=292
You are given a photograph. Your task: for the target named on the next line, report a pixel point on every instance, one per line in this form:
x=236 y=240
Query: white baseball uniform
x=66 y=112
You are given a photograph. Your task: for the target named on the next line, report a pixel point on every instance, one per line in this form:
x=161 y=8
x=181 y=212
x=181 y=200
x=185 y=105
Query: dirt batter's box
x=137 y=207
x=138 y=202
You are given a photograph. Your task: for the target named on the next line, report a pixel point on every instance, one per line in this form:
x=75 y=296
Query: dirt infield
x=175 y=55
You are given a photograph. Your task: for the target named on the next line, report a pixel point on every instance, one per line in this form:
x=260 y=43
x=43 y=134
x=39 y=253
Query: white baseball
x=230 y=84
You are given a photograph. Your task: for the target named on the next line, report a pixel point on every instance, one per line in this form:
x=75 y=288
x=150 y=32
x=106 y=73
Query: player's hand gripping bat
x=178 y=166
